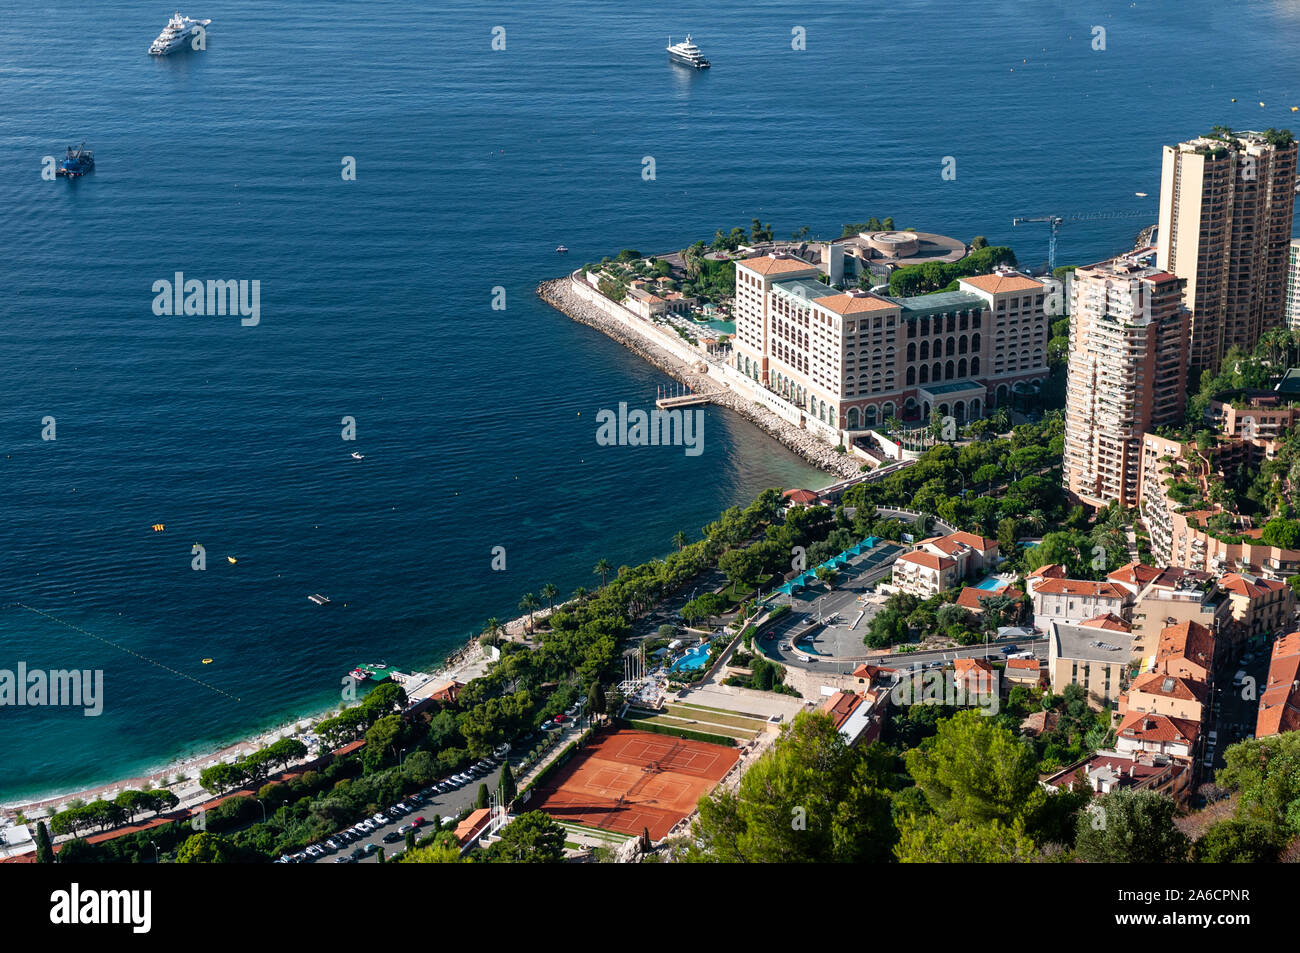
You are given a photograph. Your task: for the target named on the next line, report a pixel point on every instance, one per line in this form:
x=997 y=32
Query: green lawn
x=715 y=717
x=720 y=711
x=687 y=724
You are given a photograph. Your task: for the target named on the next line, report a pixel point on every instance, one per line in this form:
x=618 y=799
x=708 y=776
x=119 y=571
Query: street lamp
x=400 y=755
x=263 y=807
x=155 y=852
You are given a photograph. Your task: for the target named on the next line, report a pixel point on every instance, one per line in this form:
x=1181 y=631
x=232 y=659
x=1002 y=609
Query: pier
x=671 y=397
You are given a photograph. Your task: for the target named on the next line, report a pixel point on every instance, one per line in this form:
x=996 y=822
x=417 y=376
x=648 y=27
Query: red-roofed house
x=1157 y=734
x=924 y=574
x=1186 y=650
x=1279 y=703
x=974 y=555
x=976 y=675
x=1025 y=671
x=856 y=717
x=1258 y=606
x=1108 y=621
x=1071 y=601
x=1160 y=694
x=799 y=497
x=469 y=830
x=1134 y=576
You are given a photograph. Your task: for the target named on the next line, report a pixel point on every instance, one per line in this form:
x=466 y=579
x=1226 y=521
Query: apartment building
x=853 y=359
x=1127 y=374
x=1226 y=205
x=1175 y=596
x=1092 y=658
x=924 y=574
x=1074 y=601
x=1155 y=694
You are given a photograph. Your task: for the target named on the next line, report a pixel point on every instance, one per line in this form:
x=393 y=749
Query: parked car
x=344 y=859
x=392 y=837
x=1008 y=649
x=380 y=819
x=418 y=823
x=370 y=848
x=561 y=719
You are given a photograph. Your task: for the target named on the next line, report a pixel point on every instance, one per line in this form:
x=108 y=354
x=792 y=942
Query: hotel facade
x=853 y=359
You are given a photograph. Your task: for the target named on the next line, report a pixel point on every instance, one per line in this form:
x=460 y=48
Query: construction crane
x=1056 y=221
x=1053 y=220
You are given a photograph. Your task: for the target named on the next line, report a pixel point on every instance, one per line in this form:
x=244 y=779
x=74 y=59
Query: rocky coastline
x=560 y=294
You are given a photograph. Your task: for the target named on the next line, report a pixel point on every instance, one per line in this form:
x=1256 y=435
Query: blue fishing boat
x=77 y=162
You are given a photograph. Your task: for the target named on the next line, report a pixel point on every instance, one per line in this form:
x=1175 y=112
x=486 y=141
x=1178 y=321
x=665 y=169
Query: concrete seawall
x=681 y=361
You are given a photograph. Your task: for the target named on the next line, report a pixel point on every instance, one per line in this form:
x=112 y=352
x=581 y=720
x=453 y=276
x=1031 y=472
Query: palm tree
x=529 y=603
x=602 y=569
x=680 y=540
x=1036 y=520
x=549 y=592
x=580 y=593
x=491 y=629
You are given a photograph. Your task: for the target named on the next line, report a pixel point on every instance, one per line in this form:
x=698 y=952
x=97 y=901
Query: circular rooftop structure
x=893 y=244
x=899 y=248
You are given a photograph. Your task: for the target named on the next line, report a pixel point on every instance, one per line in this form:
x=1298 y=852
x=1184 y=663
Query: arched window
x=938 y=348
x=961 y=344
x=951 y=370
x=887 y=411
x=936 y=372
x=974 y=366
x=952 y=346
x=925 y=373
x=961 y=367
x=925 y=350
x=911 y=376
x=974 y=408
x=853 y=418
x=975 y=342
x=911 y=352
x=869 y=416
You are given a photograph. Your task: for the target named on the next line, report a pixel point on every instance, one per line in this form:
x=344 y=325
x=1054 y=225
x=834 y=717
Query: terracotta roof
x=970 y=597
x=1108 y=620
x=771 y=265
x=1239 y=584
x=1169 y=686
x=1188 y=640
x=854 y=303
x=476 y=821
x=1080 y=587
x=982 y=543
x=1141 y=726
x=1024 y=665
x=976 y=672
x=1048 y=571
x=799 y=496
x=1134 y=574
x=997 y=284
x=1279 y=702
x=945 y=544
x=928 y=560
x=871 y=671
x=841 y=705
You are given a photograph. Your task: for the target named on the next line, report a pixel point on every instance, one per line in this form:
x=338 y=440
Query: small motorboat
x=207 y=661
x=358 y=456
x=562 y=249
x=232 y=560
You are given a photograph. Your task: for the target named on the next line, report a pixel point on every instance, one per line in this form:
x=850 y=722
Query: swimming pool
x=991 y=583
x=693 y=660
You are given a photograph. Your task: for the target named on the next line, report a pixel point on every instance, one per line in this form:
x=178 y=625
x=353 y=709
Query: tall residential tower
x=1226 y=204
x=1127 y=374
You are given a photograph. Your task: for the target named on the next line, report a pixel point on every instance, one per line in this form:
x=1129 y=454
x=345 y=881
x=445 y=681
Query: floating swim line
x=123 y=648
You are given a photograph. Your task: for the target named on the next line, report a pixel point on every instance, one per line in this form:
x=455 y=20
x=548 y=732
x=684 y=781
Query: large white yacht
x=175 y=35
x=686 y=53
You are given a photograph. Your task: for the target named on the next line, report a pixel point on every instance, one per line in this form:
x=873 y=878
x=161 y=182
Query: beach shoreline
x=463 y=664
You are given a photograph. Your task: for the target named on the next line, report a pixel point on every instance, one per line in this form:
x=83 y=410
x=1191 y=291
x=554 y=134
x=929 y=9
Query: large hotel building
x=853 y=359
x=1226 y=206
x=1127 y=374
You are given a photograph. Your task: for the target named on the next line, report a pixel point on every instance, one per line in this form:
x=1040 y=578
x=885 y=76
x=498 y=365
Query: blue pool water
x=693 y=660
x=990 y=583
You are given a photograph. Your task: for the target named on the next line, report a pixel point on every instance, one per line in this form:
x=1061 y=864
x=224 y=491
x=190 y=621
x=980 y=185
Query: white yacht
x=176 y=34
x=686 y=53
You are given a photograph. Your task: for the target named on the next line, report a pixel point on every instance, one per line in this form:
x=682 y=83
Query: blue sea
x=477 y=425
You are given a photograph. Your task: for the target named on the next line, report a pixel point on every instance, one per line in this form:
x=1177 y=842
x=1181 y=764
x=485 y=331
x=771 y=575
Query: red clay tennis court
x=628 y=780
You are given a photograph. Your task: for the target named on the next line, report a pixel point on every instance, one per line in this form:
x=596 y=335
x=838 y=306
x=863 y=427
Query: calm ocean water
x=477 y=425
